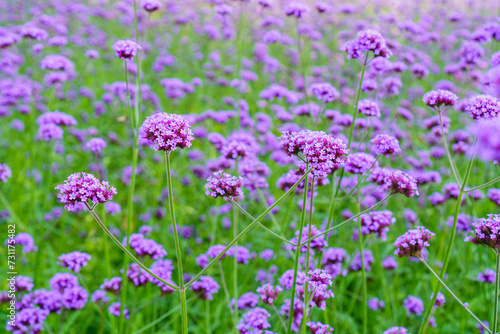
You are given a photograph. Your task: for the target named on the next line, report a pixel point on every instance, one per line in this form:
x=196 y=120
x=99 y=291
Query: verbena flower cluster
x=167 y=132
x=84 y=188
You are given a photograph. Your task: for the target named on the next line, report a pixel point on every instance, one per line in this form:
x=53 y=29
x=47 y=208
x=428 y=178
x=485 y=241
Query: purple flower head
x=62 y=281
x=5 y=172
x=439 y=99
x=82 y=188
x=319 y=328
x=375 y=304
x=369 y=107
x=488 y=276
x=74 y=298
x=95 y=145
x=402 y=183
x=396 y=330
x=57 y=63
x=486 y=231
x=145 y=247
x=366 y=41
x=24 y=283
x=254 y=321
x=56 y=118
x=167 y=132
x=205 y=286
x=412 y=242
x=113 y=285
x=137 y=275
x=112 y=208
x=319 y=278
x=389 y=263
x=247 y=301
x=324 y=92
x=126 y=49
x=28 y=320
x=48 y=132
x=286 y=280
x=296 y=9
x=114 y=309
x=323 y=152
x=359 y=163
x=74 y=261
x=224 y=185
x=100 y=296
x=240 y=144
x=377 y=222
x=268 y=294
x=413 y=305
x=385 y=144
x=31 y=31
x=367 y=259
x=440 y=299
x=482 y=107
x=150 y=5
x=25 y=240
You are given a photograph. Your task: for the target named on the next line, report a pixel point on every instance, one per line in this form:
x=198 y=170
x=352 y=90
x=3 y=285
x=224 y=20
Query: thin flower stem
x=454 y=296
x=363 y=268
x=351 y=132
x=130 y=206
x=296 y=260
x=123 y=248
x=302 y=66
x=279 y=316
x=235 y=263
x=177 y=244
x=308 y=254
x=447 y=256
x=483 y=185
x=163 y=316
x=226 y=291
x=246 y=229
x=348 y=220
x=448 y=154
x=261 y=225
x=497 y=285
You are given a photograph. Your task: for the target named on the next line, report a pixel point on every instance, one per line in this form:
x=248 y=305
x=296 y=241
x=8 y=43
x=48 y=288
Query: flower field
x=250 y=166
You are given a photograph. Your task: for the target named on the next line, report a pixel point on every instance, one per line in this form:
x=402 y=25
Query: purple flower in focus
x=167 y=132
x=366 y=41
x=254 y=321
x=224 y=185
x=412 y=242
x=82 y=188
x=268 y=294
x=486 y=231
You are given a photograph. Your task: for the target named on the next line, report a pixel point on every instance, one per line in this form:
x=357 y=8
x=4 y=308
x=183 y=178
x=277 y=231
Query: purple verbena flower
x=412 y=242
x=74 y=261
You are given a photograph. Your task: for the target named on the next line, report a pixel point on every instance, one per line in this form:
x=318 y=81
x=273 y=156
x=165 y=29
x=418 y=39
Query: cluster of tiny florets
x=167 y=132
x=224 y=185
x=82 y=188
x=412 y=242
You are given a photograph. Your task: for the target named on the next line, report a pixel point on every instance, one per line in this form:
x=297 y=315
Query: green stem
x=363 y=268
x=483 y=185
x=130 y=205
x=246 y=229
x=308 y=253
x=296 y=260
x=497 y=285
x=260 y=224
x=454 y=296
x=446 y=259
x=177 y=244
x=351 y=131
x=448 y=154
x=9 y=208
x=235 y=263
x=124 y=249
